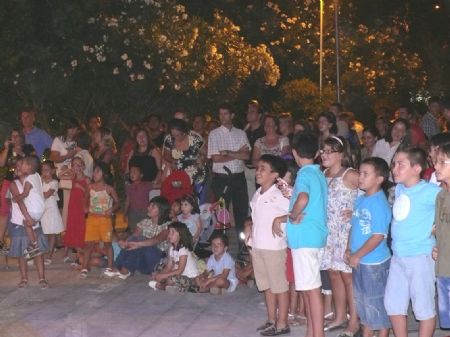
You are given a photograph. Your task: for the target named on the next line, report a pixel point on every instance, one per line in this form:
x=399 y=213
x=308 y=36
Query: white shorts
x=306 y=268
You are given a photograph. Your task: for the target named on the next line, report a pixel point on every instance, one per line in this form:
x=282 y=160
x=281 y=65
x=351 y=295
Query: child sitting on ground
x=220 y=271
x=190 y=216
x=175 y=209
x=180 y=272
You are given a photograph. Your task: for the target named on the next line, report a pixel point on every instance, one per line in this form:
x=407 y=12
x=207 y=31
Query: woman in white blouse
x=272 y=143
x=386 y=147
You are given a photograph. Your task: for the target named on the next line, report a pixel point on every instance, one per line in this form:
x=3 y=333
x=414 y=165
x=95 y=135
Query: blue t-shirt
x=312 y=231
x=413 y=218
x=371 y=215
x=39 y=139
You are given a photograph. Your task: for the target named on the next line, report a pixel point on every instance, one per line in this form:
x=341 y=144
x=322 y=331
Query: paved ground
x=101 y=307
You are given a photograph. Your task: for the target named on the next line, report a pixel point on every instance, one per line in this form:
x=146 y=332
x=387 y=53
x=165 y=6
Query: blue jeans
x=369 y=283
x=143 y=259
x=443 y=288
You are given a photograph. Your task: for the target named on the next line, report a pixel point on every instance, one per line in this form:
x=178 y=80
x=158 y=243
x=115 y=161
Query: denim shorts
x=443 y=288
x=369 y=284
x=411 y=278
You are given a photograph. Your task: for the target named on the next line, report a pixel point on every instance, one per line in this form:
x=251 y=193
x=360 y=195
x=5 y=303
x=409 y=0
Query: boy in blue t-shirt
x=368 y=253
x=306 y=228
x=411 y=274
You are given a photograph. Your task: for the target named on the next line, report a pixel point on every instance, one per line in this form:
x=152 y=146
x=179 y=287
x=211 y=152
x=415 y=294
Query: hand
x=434 y=253
x=347 y=214
x=123 y=244
x=29 y=222
x=433 y=230
x=7 y=143
x=224 y=153
x=133 y=245
x=298 y=219
x=276 y=227
x=159 y=277
x=354 y=261
x=347 y=256
x=108 y=212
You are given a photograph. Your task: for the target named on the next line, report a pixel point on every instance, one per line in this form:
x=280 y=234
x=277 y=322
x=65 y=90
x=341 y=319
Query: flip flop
x=331 y=327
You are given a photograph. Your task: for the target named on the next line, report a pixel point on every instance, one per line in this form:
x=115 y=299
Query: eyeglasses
x=328 y=152
x=443 y=162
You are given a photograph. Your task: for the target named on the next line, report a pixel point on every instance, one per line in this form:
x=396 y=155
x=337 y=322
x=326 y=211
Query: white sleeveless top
x=17 y=217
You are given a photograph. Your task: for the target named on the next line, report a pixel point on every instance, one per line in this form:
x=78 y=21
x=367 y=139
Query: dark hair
x=274 y=118
x=222 y=237
x=292 y=168
x=440 y=139
x=388 y=136
x=305 y=144
x=164 y=209
x=226 y=106
x=49 y=163
x=152 y=115
x=83 y=140
x=445 y=149
x=33 y=161
x=107 y=176
x=434 y=99
x=416 y=156
x=28 y=150
x=185 y=235
x=179 y=124
x=256 y=103
x=372 y=130
x=150 y=145
x=191 y=200
x=304 y=123
x=71 y=123
x=276 y=164
x=338 y=105
x=341 y=145
x=331 y=118
x=379 y=165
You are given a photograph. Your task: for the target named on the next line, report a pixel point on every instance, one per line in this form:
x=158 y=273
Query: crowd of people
x=344 y=224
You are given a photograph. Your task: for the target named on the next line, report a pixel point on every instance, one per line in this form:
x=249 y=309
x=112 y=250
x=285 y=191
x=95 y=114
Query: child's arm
x=369 y=245
x=49 y=193
x=15 y=192
x=181 y=265
x=115 y=206
x=198 y=230
x=26 y=191
x=299 y=206
x=212 y=279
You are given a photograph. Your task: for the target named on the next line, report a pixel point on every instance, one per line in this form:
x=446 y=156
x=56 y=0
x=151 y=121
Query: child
x=269 y=251
x=435 y=142
x=367 y=252
x=306 y=237
x=19 y=239
x=411 y=274
x=442 y=222
x=78 y=200
x=342 y=190
x=137 y=197
x=51 y=221
x=33 y=198
x=244 y=268
x=144 y=249
x=103 y=202
x=175 y=209
x=220 y=268
x=180 y=272
x=190 y=215
x=83 y=141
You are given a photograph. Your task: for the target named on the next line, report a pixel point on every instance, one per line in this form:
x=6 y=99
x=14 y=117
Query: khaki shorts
x=98 y=228
x=270 y=270
x=306 y=268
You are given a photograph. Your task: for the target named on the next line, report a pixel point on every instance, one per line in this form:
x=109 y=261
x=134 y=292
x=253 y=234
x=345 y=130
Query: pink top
x=138 y=195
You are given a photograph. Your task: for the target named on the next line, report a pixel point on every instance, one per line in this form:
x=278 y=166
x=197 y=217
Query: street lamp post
x=321 y=51
x=336 y=32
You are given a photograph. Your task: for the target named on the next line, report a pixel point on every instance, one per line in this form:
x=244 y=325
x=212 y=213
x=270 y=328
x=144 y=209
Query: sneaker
x=152 y=284
x=111 y=273
x=124 y=276
x=47 y=262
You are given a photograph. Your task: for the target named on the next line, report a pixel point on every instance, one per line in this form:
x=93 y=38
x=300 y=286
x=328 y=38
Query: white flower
x=33 y=71
x=129 y=63
x=124 y=56
x=161 y=87
x=176 y=154
x=147 y=65
x=126 y=42
x=91 y=20
x=53 y=65
x=177 y=87
x=15 y=82
x=85 y=47
x=116 y=71
x=132 y=77
x=162 y=38
x=100 y=57
x=140 y=76
x=74 y=63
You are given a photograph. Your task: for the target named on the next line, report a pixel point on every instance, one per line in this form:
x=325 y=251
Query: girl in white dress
x=51 y=221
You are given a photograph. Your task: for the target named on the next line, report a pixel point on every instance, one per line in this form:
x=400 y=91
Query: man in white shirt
x=229 y=147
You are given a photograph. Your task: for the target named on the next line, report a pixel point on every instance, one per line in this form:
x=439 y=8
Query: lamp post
x=321 y=51
x=336 y=37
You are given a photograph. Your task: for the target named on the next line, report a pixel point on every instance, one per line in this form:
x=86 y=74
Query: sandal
x=43 y=283
x=265 y=326
x=83 y=273
x=23 y=284
x=331 y=327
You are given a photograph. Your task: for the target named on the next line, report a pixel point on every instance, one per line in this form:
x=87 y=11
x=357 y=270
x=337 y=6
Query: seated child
x=180 y=272
x=220 y=271
x=190 y=215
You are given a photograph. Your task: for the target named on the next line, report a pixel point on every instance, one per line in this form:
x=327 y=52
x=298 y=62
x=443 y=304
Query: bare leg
x=426 y=327
x=399 y=325
x=309 y=323
x=51 y=244
x=353 y=324
x=382 y=333
x=293 y=301
x=271 y=305
x=314 y=304
x=87 y=254
x=109 y=254
x=23 y=268
x=3 y=225
x=283 y=308
x=328 y=305
x=339 y=297
x=39 y=262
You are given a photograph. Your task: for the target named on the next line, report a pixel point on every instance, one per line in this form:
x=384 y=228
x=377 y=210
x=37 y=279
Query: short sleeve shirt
x=413 y=217
x=371 y=215
x=190 y=270
x=150 y=230
x=312 y=231
x=35 y=202
x=225 y=262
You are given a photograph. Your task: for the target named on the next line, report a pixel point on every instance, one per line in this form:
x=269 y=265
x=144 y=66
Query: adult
x=153 y=124
x=104 y=145
x=40 y=139
x=382 y=124
x=272 y=143
x=386 y=147
x=302 y=125
x=254 y=130
x=13 y=148
x=342 y=126
x=62 y=151
x=326 y=124
x=144 y=255
x=286 y=125
x=94 y=123
x=147 y=156
x=446 y=115
x=417 y=135
x=199 y=125
x=184 y=150
x=228 y=147
x=430 y=121
x=369 y=139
